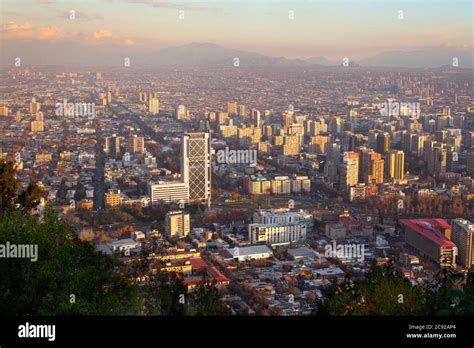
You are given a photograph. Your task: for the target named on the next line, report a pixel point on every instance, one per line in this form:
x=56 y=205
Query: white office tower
x=277 y=233
x=196 y=165
x=168 y=192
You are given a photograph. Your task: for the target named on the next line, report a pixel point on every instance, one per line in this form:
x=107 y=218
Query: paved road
x=99 y=185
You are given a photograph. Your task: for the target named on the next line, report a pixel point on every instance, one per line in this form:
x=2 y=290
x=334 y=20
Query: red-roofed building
x=429 y=237
x=204 y=273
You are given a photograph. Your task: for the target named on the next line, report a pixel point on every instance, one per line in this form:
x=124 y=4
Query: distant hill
x=431 y=57
x=321 y=61
x=212 y=54
x=209 y=54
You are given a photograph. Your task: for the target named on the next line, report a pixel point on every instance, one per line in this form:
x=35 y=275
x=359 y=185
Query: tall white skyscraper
x=196 y=165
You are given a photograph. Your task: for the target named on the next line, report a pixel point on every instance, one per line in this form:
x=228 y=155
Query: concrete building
x=153 y=105
x=177 y=224
x=168 y=191
x=349 y=171
x=277 y=233
x=429 y=238
x=462 y=234
x=112 y=198
x=254 y=252
x=196 y=165
x=396 y=164
x=136 y=144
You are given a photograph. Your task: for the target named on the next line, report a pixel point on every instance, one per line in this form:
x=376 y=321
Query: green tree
x=69 y=277
x=9 y=185
x=31 y=197
x=206 y=301
x=165 y=294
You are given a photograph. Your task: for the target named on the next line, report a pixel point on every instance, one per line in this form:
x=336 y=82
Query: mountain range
x=209 y=54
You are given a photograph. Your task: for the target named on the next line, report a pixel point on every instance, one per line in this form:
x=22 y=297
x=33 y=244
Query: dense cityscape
x=209 y=172
x=272 y=191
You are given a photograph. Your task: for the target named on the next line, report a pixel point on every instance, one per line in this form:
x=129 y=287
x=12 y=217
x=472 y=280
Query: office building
x=168 y=191
x=429 y=238
x=274 y=216
x=196 y=165
x=277 y=233
x=371 y=166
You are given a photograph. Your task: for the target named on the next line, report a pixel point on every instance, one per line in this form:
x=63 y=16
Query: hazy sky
x=330 y=28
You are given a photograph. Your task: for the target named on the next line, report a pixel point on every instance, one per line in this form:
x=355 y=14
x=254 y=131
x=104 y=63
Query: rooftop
x=433 y=229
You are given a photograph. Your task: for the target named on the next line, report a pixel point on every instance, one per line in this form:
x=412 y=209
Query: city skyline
x=164 y=159
x=299 y=29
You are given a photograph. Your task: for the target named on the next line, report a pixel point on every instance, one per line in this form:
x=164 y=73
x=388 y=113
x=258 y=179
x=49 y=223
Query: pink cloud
x=15 y=31
x=101 y=34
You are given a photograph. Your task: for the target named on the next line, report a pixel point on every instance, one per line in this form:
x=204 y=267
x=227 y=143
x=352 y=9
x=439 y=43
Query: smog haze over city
x=173 y=162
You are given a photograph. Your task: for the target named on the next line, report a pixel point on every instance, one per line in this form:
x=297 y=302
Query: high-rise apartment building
x=112 y=145
x=462 y=234
x=349 y=170
x=34 y=106
x=136 y=144
x=437 y=159
x=232 y=108
x=177 y=224
x=154 y=105
x=396 y=164
x=383 y=143
x=242 y=111
x=333 y=156
x=291 y=145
